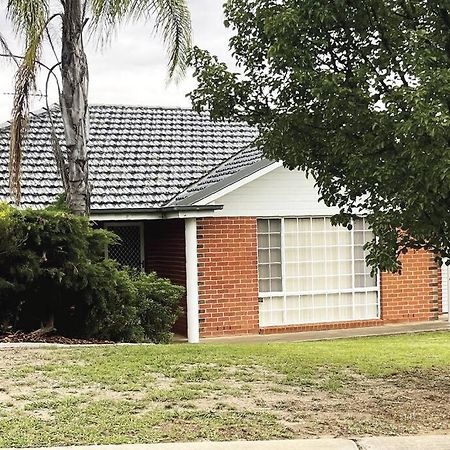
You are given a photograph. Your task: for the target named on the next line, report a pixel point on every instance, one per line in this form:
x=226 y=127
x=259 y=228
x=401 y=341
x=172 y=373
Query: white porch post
x=445 y=284
x=447 y=281
x=193 y=327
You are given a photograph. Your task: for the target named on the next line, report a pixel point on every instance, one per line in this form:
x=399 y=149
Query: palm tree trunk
x=74 y=106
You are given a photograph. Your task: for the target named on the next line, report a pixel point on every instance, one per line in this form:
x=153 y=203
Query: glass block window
x=317 y=272
x=129 y=252
x=269 y=255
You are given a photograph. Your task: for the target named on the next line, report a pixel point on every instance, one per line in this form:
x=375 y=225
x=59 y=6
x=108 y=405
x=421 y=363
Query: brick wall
x=414 y=294
x=228 y=284
x=165 y=255
x=228 y=280
x=227 y=274
x=321 y=326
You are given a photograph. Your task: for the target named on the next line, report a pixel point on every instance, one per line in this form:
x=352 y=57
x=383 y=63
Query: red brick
x=229 y=288
x=413 y=294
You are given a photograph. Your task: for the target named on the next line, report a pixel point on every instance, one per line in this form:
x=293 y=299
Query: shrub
x=158 y=304
x=53 y=272
x=130 y=306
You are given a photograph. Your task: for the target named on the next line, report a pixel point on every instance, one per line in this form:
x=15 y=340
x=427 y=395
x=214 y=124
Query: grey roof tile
x=243 y=159
x=140 y=157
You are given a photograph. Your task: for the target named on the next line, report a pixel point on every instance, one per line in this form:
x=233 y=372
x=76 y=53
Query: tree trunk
x=47 y=327
x=74 y=106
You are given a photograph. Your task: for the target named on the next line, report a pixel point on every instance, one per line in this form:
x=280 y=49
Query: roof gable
x=241 y=165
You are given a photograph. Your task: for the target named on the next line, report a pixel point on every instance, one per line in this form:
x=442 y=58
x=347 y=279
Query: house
x=250 y=240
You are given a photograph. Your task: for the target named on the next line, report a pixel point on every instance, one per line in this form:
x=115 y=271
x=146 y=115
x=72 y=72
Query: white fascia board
x=232 y=187
x=189 y=214
x=132 y=217
x=118 y=216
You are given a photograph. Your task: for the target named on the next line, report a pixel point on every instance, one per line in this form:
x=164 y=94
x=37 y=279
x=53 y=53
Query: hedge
x=53 y=274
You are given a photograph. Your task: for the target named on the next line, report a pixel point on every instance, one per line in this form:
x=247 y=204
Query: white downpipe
x=445 y=279
x=192 y=281
x=448 y=293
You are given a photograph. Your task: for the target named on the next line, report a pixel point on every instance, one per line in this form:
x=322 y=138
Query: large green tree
x=356 y=93
x=73 y=19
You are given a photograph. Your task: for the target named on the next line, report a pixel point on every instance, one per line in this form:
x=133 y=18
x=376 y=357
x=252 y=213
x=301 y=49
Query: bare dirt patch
x=411 y=403
x=23 y=381
x=14 y=357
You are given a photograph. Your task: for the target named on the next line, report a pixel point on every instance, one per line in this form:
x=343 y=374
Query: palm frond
x=29 y=19
x=19 y=124
x=173 y=23
x=171 y=18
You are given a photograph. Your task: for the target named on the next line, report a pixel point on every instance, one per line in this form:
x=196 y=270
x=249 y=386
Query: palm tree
x=32 y=19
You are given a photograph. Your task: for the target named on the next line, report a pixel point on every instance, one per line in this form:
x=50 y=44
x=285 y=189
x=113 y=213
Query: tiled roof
x=226 y=172
x=140 y=157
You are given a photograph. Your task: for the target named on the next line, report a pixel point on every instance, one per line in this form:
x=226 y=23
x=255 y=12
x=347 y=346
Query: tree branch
x=39 y=63
x=59 y=156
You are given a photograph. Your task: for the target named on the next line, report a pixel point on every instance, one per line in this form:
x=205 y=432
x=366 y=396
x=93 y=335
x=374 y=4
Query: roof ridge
x=36 y=113
x=166 y=108
x=124 y=105
x=55 y=106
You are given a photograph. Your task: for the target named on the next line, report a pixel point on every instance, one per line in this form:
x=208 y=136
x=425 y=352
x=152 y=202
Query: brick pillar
x=228 y=276
x=412 y=295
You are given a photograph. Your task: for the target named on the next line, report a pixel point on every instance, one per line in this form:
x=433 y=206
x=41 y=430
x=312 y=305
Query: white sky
x=133 y=68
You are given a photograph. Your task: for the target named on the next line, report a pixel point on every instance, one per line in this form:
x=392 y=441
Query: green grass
x=141 y=394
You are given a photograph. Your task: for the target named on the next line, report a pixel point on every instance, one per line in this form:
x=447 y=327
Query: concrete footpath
x=304 y=336
x=390 y=329
x=432 y=442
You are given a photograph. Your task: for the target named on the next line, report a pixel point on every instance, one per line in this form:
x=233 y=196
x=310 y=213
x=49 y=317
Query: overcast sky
x=133 y=68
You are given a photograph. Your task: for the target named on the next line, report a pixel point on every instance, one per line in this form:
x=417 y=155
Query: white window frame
x=140 y=224
x=284 y=293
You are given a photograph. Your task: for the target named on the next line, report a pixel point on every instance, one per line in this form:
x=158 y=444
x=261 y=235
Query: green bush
x=53 y=272
x=158 y=304
x=134 y=306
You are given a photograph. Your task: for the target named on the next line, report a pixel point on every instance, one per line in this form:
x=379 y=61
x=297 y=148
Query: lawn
x=142 y=394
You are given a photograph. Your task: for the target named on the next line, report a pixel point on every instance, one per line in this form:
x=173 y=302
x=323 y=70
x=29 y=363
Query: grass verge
x=143 y=394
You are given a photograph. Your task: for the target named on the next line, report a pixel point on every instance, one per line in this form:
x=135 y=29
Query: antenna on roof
x=31 y=95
